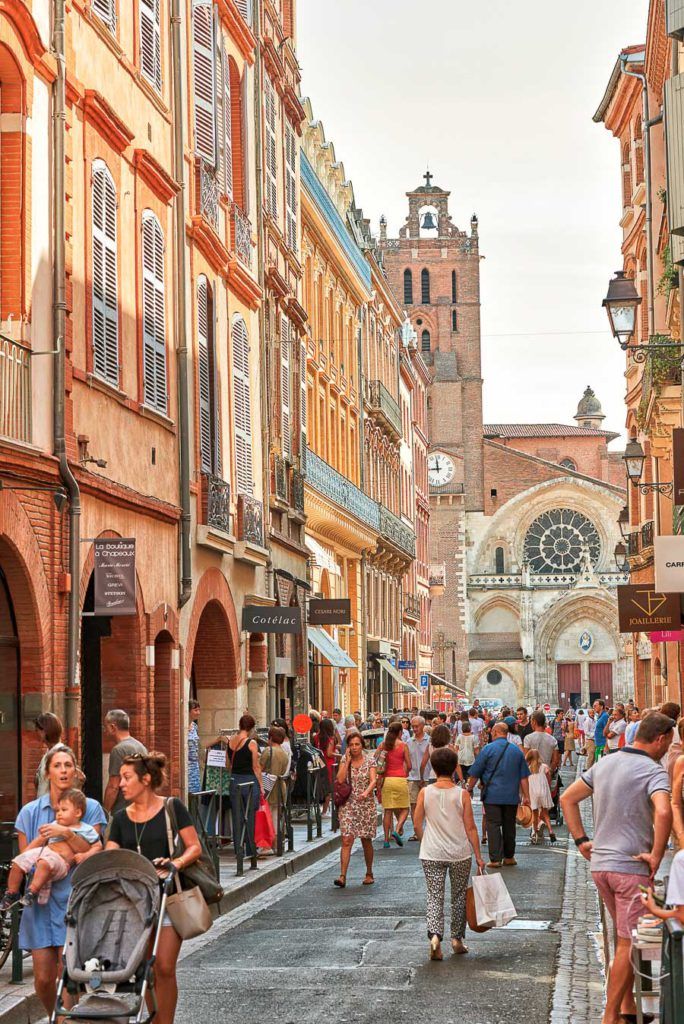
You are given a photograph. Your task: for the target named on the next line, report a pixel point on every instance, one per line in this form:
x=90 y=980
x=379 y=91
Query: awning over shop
x=438 y=681
x=324 y=558
x=329 y=648
x=396 y=675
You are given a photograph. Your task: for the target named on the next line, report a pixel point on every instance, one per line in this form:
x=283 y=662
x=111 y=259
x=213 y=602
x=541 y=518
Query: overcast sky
x=498 y=98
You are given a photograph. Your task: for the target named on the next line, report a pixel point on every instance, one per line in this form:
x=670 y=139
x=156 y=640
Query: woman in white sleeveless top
x=445 y=825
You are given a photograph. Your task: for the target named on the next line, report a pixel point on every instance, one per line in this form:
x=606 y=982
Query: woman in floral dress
x=194 y=781
x=358 y=816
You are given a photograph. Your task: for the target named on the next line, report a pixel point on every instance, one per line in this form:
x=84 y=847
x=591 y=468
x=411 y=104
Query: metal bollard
x=17 y=956
x=672 y=976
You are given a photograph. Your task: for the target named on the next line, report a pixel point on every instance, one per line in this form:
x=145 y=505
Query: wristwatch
x=582 y=840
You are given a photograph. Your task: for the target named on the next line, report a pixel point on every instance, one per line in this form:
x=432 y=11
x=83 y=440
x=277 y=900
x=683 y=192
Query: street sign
x=547 y=707
x=406 y=664
x=641 y=609
x=424 y=681
x=302 y=723
x=114 y=576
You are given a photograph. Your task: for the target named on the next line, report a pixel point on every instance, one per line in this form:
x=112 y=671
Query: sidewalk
x=19 y=1004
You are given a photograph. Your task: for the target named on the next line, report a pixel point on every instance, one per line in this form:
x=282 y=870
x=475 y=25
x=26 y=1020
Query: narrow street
x=308 y=952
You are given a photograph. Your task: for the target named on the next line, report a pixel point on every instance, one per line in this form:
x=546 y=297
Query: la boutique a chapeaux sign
x=114 y=572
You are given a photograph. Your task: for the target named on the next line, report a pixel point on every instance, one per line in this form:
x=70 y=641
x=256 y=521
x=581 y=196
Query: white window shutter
x=154 y=318
x=271 y=147
x=291 y=188
x=244 y=7
x=106 y=12
x=105 y=287
x=243 y=408
x=150 y=42
x=285 y=405
x=227 y=128
x=204 y=373
x=204 y=80
x=302 y=407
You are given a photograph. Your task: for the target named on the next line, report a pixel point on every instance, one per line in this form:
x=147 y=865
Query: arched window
x=453 y=287
x=13 y=227
x=425 y=341
x=154 y=319
x=499 y=561
x=454 y=320
x=243 y=408
x=210 y=441
x=425 y=286
x=568 y=463
x=408 y=288
x=150 y=42
x=204 y=80
x=105 y=286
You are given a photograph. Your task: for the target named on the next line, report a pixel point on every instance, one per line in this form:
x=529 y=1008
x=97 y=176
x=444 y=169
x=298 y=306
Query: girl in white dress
x=540 y=796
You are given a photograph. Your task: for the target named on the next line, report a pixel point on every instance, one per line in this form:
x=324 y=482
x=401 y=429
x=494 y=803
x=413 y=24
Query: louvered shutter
x=271 y=148
x=150 y=42
x=243 y=408
x=154 y=333
x=204 y=80
x=105 y=291
x=227 y=130
x=291 y=188
x=302 y=407
x=285 y=418
x=244 y=7
x=204 y=372
x=106 y=12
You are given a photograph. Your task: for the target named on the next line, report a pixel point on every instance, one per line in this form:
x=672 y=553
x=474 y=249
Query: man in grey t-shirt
x=632 y=822
x=117 y=725
x=542 y=741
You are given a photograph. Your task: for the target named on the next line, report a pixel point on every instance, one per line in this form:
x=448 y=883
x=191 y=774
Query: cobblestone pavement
x=579 y=986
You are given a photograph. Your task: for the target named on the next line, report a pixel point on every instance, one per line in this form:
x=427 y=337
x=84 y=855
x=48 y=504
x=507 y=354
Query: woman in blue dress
x=43 y=929
x=194 y=781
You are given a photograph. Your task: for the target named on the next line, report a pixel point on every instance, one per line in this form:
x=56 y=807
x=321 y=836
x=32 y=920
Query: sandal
x=341 y=881
x=368 y=880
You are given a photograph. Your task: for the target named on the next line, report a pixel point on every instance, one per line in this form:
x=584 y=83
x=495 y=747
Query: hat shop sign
x=642 y=608
x=114 y=572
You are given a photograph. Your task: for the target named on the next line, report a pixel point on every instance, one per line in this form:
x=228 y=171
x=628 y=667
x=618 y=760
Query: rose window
x=557 y=540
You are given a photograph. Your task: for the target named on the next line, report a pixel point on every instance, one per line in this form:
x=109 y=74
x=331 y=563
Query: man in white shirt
x=339 y=724
x=589 y=744
x=418 y=777
x=476 y=727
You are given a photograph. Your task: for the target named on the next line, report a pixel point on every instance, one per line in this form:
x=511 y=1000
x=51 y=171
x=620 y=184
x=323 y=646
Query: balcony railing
x=412 y=606
x=15 y=390
x=208 y=191
x=241 y=236
x=250 y=520
x=217 y=502
x=394 y=530
x=383 y=405
x=279 y=482
x=297 y=491
x=487 y=581
x=343 y=492
x=647 y=535
x=500 y=581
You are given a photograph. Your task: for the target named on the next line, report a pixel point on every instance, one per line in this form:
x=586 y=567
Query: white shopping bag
x=493 y=904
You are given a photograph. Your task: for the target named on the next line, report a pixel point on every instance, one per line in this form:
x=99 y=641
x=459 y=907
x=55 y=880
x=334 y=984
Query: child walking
x=540 y=796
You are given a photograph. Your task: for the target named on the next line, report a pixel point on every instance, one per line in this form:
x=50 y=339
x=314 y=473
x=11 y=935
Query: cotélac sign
x=641 y=608
x=279 y=619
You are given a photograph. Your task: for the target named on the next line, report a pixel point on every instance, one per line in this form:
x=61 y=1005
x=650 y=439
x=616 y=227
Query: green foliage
x=665 y=363
x=669 y=278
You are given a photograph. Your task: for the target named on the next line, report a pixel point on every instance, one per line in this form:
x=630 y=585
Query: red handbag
x=264 y=833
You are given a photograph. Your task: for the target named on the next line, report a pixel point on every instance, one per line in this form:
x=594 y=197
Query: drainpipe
x=264 y=364
x=185 y=562
x=59 y=395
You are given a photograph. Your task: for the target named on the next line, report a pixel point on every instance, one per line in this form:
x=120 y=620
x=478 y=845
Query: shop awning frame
x=335 y=655
x=438 y=681
x=396 y=675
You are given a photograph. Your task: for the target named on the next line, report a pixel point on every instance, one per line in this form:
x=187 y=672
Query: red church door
x=601 y=681
x=569 y=685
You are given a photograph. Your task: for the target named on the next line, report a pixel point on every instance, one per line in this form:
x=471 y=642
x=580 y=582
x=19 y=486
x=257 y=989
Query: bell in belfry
x=429 y=222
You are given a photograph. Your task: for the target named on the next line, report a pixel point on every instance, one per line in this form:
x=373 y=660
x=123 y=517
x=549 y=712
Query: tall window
x=302 y=406
x=291 y=188
x=210 y=443
x=453 y=286
x=106 y=12
x=499 y=561
x=408 y=288
x=105 y=286
x=204 y=80
x=425 y=341
x=285 y=396
x=243 y=407
x=225 y=125
x=271 y=147
x=454 y=320
x=150 y=42
x=154 y=333
x=425 y=286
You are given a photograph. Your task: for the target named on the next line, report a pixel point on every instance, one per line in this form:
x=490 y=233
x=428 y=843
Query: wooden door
x=569 y=684
x=601 y=681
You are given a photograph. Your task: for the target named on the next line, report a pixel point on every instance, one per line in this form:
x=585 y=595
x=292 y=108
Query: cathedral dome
x=589 y=412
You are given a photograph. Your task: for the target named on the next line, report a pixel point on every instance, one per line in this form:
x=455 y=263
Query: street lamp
x=634 y=459
x=621 y=563
x=623 y=522
x=621 y=306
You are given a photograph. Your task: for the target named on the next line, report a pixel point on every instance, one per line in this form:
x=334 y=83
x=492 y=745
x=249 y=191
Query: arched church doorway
x=10 y=703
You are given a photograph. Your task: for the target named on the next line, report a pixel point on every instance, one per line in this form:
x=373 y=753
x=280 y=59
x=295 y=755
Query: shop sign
x=325 y=612
x=280 y=619
x=642 y=608
x=669 y=564
x=678 y=465
x=667 y=636
x=406 y=665
x=114 y=576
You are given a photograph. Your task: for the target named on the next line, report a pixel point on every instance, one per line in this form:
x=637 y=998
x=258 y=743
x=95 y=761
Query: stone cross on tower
x=428 y=178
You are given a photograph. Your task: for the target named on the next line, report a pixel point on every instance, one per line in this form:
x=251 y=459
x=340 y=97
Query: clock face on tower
x=440 y=469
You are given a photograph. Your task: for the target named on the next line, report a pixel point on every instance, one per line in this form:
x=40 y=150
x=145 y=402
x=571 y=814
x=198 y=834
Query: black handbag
x=201 y=873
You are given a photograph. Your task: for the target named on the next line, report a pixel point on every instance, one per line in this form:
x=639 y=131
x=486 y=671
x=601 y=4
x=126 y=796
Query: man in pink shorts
x=627 y=849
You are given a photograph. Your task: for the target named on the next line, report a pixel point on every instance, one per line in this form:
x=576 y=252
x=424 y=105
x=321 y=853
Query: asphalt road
x=308 y=952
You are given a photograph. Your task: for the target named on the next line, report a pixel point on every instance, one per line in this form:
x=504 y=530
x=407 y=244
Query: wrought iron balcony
x=394 y=530
x=412 y=606
x=15 y=390
x=241 y=238
x=297 y=491
x=208 y=192
x=217 y=502
x=633 y=543
x=384 y=406
x=279 y=480
x=647 y=532
x=250 y=520
x=343 y=492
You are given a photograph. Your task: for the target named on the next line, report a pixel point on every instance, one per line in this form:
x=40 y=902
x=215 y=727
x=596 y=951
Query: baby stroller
x=556 y=814
x=114 y=910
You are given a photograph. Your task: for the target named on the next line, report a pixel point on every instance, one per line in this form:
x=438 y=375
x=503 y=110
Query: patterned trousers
x=435 y=879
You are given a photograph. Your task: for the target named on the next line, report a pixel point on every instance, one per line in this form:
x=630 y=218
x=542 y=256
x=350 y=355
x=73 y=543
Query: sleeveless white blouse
x=444 y=835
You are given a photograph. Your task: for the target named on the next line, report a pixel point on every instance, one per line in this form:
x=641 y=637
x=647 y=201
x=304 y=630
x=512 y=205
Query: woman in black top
x=245 y=780
x=142 y=827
